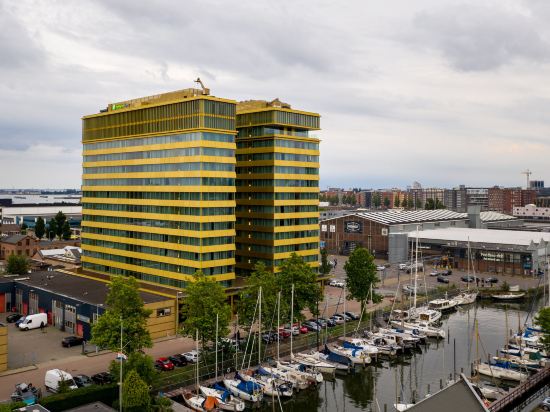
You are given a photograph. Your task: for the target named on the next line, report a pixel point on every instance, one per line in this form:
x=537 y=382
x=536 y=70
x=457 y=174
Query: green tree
x=418 y=204
x=410 y=203
x=325 y=266
x=386 y=202
x=66 y=231
x=205 y=298
x=17 y=265
x=361 y=275
x=397 y=202
x=333 y=200
x=139 y=362
x=430 y=204
x=543 y=321
x=40 y=228
x=438 y=204
x=161 y=404
x=376 y=200
x=307 y=292
x=52 y=229
x=265 y=279
x=63 y=386
x=135 y=394
x=124 y=304
x=24 y=228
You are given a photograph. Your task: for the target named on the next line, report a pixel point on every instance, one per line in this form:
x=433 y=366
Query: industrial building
x=491 y=251
x=277 y=185
x=73 y=302
x=159 y=188
x=376 y=230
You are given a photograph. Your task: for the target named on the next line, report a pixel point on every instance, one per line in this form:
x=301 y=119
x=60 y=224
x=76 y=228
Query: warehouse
x=73 y=302
x=383 y=231
x=492 y=251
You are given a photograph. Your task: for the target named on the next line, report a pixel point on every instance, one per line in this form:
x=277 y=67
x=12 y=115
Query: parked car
x=329 y=322
x=380 y=267
x=435 y=273
x=311 y=326
x=337 y=319
x=352 y=315
x=191 y=356
x=284 y=334
x=321 y=322
x=447 y=272
x=26 y=393
x=442 y=279
x=269 y=337
x=468 y=278
x=545 y=404
x=178 y=360
x=344 y=316
x=294 y=330
x=102 y=378
x=491 y=280
x=82 y=381
x=13 y=317
x=55 y=376
x=403 y=266
x=164 y=364
x=337 y=283
x=69 y=341
x=34 y=321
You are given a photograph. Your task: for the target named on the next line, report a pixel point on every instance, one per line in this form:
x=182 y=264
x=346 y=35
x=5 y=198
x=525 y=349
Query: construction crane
x=205 y=91
x=527 y=174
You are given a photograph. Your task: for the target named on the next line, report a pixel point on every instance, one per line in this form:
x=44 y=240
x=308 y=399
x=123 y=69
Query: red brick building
x=18 y=245
x=505 y=199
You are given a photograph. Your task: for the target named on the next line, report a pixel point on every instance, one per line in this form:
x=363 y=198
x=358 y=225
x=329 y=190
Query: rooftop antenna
x=205 y=91
x=527 y=174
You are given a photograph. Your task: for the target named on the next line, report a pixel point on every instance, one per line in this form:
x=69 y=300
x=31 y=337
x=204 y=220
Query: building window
x=164 y=312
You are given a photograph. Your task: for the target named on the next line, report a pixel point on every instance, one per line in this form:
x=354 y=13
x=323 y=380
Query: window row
x=279 y=169
x=277 y=183
x=291 y=157
x=276 y=196
x=277 y=222
x=294 y=144
x=161 y=154
x=167 y=210
x=276 y=209
x=160 y=195
x=166 y=139
x=165 y=224
x=164 y=167
x=269 y=131
x=161 y=181
x=277 y=236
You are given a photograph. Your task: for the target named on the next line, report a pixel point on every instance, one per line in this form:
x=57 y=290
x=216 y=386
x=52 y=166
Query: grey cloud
x=478 y=38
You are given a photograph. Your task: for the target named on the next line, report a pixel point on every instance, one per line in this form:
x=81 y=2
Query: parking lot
x=35 y=346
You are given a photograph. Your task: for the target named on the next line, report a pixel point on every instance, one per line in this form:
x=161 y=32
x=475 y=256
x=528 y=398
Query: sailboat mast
x=415 y=268
x=217 y=317
x=278 y=321
x=197 y=348
x=468 y=283
x=260 y=326
x=344 y=310
x=291 y=319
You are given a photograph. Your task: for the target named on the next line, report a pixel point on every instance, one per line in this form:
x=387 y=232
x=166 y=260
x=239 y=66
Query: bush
x=12 y=406
x=81 y=396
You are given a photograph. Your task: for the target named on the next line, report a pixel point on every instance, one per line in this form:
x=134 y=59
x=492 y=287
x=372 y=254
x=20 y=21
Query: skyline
x=458 y=88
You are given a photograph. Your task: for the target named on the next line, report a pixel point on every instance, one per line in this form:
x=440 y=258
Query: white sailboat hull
x=500 y=373
x=231 y=404
x=231 y=384
x=318 y=365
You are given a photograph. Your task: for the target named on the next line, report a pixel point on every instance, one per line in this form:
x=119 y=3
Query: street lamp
x=96 y=318
x=178 y=294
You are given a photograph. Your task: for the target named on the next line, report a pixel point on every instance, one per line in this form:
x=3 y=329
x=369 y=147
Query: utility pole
x=120 y=369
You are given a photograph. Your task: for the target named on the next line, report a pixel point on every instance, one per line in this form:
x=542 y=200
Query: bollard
x=414 y=396
x=440 y=383
x=385 y=407
x=428 y=389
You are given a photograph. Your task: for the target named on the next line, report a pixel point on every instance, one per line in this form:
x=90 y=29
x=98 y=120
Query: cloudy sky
x=442 y=92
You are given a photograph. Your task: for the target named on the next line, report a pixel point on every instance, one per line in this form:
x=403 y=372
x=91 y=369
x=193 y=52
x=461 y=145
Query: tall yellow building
x=159 y=188
x=277 y=185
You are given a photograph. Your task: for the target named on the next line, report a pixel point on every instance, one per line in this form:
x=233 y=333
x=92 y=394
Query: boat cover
x=210 y=403
x=248 y=387
x=225 y=392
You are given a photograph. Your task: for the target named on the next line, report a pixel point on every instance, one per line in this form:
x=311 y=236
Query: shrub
x=81 y=396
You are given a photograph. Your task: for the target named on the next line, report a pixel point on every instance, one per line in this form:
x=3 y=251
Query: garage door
x=70 y=319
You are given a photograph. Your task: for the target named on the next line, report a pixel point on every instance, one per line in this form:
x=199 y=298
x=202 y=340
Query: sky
x=441 y=92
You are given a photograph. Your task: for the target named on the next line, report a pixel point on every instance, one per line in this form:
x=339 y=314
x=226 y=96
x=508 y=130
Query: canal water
x=370 y=388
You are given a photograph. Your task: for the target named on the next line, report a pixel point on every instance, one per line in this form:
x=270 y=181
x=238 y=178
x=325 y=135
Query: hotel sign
x=353 y=226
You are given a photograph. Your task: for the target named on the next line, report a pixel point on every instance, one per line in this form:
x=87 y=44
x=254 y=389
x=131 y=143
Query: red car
x=284 y=333
x=302 y=328
x=164 y=364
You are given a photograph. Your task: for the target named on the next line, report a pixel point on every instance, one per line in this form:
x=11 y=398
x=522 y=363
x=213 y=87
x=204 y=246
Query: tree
x=361 y=275
x=376 y=200
x=63 y=385
x=205 y=298
x=17 y=265
x=307 y=292
x=52 y=229
x=325 y=266
x=56 y=224
x=543 y=320
x=24 y=228
x=161 y=404
x=267 y=280
x=386 y=202
x=439 y=204
x=333 y=200
x=430 y=204
x=66 y=230
x=139 y=362
x=124 y=304
x=410 y=203
x=418 y=204
x=135 y=393
x=397 y=202
x=40 y=228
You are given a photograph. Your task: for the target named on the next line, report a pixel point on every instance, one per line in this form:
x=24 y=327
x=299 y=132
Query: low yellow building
x=3 y=347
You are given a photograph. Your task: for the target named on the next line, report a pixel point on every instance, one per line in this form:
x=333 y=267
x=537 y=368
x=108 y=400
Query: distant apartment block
x=505 y=200
x=532 y=212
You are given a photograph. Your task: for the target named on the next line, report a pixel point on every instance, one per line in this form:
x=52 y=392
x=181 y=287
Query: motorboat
x=443 y=305
x=508 y=296
x=491 y=392
x=247 y=391
x=270 y=384
x=406 y=315
x=319 y=365
x=500 y=372
x=325 y=357
x=466 y=298
x=299 y=381
x=400 y=407
x=429 y=316
x=384 y=347
x=198 y=402
x=428 y=330
x=408 y=338
x=516 y=362
x=226 y=401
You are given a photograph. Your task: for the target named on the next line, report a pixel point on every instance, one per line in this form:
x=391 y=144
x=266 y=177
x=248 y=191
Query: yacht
x=443 y=305
x=429 y=316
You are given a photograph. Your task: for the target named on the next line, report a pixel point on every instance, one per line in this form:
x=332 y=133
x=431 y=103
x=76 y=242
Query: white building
x=532 y=212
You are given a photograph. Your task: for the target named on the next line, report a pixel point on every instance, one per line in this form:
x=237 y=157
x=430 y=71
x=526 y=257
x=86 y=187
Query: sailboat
x=225 y=399
x=197 y=401
x=467 y=297
x=314 y=361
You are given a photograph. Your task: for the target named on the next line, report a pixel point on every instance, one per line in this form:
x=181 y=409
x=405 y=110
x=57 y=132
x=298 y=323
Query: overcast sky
x=439 y=91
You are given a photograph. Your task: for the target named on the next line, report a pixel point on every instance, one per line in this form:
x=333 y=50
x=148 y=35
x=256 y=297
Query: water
x=370 y=388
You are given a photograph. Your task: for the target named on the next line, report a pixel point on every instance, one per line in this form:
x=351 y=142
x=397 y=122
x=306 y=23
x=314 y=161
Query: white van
x=34 y=321
x=54 y=376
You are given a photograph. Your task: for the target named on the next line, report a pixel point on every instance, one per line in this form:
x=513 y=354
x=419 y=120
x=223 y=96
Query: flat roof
x=400 y=216
x=494 y=236
x=76 y=287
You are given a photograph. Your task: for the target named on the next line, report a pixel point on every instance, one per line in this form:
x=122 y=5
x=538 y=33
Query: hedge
x=81 y=396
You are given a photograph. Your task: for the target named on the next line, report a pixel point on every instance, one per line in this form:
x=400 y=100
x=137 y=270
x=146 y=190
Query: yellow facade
x=277 y=185
x=162 y=321
x=3 y=347
x=159 y=189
